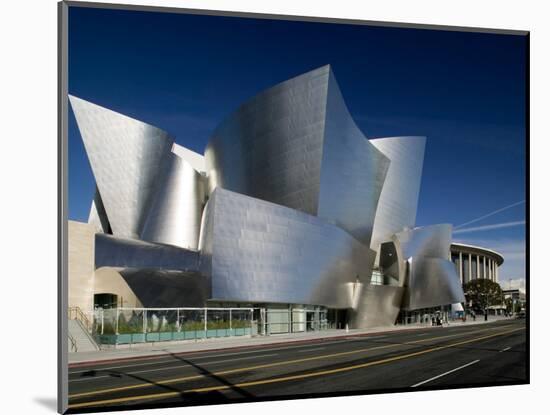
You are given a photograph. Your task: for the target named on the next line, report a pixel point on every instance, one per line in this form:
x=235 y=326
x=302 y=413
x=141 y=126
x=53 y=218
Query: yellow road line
x=262 y=366
x=287 y=378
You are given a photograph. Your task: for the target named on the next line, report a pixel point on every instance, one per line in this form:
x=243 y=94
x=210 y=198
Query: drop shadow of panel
x=48 y=403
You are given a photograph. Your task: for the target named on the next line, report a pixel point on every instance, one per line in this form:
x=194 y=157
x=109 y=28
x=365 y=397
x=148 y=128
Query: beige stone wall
x=108 y=281
x=81 y=265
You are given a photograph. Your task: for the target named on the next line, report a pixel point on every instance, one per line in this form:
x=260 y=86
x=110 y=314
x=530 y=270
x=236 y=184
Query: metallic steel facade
x=296 y=145
x=428 y=275
x=399 y=196
x=126 y=157
x=377 y=306
x=131 y=253
x=271 y=147
x=291 y=203
x=175 y=215
x=263 y=252
x=352 y=172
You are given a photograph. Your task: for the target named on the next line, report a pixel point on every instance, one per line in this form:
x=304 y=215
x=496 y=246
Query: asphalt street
x=427 y=358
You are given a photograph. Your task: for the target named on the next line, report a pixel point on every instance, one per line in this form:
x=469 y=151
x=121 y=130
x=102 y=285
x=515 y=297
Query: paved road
x=419 y=359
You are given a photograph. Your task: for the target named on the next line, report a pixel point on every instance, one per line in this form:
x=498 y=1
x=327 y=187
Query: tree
x=482 y=293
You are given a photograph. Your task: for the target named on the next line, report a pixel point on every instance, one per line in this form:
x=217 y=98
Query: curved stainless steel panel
x=130 y=253
x=271 y=147
x=126 y=156
x=399 y=198
x=296 y=145
x=430 y=278
x=175 y=214
x=263 y=252
x=432 y=282
x=377 y=306
x=352 y=171
x=427 y=241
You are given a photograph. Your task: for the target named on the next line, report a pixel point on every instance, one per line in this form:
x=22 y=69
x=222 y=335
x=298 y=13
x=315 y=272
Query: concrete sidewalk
x=166 y=348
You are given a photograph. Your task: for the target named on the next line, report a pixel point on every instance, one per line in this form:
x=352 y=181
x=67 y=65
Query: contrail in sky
x=487 y=227
x=490 y=214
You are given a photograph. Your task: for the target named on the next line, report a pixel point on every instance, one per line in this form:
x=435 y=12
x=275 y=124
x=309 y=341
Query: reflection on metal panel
x=296 y=145
x=389 y=263
x=130 y=253
x=399 y=197
x=176 y=211
x=126 y=156
x=263 y=252
x=427 y=241
x=161 y=288
x=271 y=147
x=430 y=278
x=352 y=172
x=432 y=282
x=377 y=306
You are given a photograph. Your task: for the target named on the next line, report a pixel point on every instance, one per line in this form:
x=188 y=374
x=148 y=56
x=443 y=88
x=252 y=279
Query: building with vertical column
x=474 y=262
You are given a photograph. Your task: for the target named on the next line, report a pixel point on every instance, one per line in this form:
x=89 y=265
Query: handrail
x=80 y=316
x=74 y=346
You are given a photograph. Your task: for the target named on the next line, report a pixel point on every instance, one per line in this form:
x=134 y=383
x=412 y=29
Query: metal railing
x=75 y=313
x=74 y=346
x=139 y=325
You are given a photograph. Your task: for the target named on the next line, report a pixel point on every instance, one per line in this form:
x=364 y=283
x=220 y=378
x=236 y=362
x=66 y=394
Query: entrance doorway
x=105 y=300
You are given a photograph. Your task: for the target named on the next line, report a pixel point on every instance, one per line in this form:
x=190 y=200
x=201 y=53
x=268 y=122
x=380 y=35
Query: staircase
x=80 y=340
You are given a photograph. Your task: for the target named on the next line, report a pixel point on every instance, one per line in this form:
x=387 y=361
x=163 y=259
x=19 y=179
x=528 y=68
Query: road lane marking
x=201 y=353
x=444 y=374
x=176 y=357
x=505 y=349
x=285 y=378
x=238 y=370
x=193 y=377
x=311 y=350
x=216 y=362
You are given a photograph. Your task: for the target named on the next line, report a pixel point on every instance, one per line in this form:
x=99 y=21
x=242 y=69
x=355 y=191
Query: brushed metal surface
x=131 y=253
x=271 y=147
x=262 y=252
x=296 y=145
x=175 y=215
x=376 y=306
x=352 y=171
x=432 y=282
x=126 y=157
x=399 y=197
x=426 y=272
x=162 y=288
x=289 y=205
x=427 y=241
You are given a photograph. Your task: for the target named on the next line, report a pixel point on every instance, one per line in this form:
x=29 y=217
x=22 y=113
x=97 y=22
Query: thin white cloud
x=494 y=212
x=489 y=227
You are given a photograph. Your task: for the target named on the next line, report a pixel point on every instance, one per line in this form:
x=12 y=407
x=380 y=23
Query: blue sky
x=464 y=91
